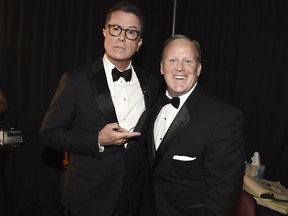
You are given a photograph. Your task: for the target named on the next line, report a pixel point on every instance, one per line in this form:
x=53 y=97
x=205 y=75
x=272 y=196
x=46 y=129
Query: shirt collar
x=108 y=66
x=183 y=97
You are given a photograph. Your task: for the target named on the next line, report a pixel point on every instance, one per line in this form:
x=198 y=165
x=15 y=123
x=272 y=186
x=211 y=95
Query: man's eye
x=131 y=32
x=116 y=28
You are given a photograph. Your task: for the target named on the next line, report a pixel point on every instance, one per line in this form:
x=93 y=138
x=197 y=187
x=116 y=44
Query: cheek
x=166 y=69
x=167 y=75
x=133 y=48
x=169 y=79
x=107 y=42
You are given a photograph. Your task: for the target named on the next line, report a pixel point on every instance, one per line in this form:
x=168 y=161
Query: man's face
x=180 y=67
x=120 y=48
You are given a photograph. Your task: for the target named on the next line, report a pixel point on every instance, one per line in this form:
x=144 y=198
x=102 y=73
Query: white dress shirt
x=166 y=116
x=127 y=97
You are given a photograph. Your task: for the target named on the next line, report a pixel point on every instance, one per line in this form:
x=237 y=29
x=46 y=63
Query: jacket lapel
x=100 y=90
x=179 y=123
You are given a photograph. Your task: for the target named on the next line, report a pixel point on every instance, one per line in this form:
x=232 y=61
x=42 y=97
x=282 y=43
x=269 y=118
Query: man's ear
x=104 y=32
x=139 y=44
x=161 y=68
x=199 y=68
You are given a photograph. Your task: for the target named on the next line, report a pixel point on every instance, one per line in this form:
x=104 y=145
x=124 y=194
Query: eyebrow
x=130 y=27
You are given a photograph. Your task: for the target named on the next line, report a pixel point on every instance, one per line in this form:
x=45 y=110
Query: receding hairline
x=182 y=37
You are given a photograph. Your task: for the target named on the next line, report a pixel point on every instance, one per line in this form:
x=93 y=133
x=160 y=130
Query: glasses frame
x=122 y=29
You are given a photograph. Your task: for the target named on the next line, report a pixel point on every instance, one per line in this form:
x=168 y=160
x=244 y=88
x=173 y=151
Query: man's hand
x=113 y=134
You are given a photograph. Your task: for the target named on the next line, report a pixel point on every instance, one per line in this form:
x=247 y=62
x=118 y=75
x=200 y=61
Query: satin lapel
x=101 y=92
x=180 y=121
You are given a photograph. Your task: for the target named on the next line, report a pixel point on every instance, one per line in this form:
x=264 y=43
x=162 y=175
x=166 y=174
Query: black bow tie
x=116 y=74
x=175 y=101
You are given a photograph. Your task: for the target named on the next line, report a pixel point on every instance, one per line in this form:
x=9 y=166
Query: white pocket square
x=183 y=158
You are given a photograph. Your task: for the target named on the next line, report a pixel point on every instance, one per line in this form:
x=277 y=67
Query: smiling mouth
x=179 y=77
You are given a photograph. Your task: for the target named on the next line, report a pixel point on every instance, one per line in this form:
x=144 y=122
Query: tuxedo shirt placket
x=163 y=122
x=127 y=97
x=128 y=102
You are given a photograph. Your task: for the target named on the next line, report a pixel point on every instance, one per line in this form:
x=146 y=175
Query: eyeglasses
x=115 y=31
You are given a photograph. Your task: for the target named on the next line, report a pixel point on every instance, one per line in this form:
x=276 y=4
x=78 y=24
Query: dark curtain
x=262 y=66
x=244 y=61
x=245 y=54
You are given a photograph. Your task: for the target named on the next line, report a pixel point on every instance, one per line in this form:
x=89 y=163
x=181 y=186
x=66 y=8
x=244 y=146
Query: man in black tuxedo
x=195 y=141
x=96 y=114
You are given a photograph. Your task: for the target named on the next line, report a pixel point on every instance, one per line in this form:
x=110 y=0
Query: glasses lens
x=130 y=34
x=114 y=30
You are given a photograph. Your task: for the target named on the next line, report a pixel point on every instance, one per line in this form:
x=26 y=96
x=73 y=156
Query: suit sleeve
x=225 y=160
x=57 y=130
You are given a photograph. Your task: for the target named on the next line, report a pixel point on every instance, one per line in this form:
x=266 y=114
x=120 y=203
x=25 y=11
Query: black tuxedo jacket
x=198 y=168
x=81 y=107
